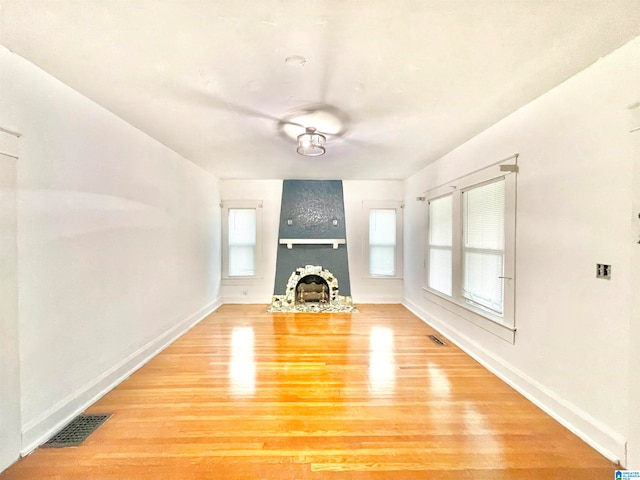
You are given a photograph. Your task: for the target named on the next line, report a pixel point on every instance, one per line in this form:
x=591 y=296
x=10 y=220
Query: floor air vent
x=437 y=340
x=77 y=431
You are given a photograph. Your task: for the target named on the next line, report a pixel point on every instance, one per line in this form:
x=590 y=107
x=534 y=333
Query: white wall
x=259 y=290
x=363 y=289
x=574 y=195
x=118 y=241
x=10 y=428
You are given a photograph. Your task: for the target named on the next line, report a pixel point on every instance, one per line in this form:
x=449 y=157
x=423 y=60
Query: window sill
x=496 y=327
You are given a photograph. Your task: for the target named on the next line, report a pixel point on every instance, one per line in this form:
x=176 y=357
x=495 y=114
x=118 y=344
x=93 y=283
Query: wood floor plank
x=251 y=395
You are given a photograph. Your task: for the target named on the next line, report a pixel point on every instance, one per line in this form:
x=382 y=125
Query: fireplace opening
x=312 y=288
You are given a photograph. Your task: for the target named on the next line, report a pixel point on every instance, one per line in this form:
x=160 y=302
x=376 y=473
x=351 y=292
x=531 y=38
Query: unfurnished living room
x=330 y=240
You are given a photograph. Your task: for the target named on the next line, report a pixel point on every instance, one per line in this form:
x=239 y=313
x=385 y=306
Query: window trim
x=503 y=326
x=398 y=206
x=240 y=204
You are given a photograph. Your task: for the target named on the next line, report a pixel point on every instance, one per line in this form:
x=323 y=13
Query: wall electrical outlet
x=603 y=271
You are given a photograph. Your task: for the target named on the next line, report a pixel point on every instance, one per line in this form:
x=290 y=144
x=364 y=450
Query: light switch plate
x=603 y=271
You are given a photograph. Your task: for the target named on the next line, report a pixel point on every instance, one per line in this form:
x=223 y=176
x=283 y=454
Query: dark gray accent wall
x=312 y=205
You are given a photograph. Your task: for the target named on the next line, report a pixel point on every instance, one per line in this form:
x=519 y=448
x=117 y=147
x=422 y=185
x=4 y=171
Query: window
x=385 y=239
x=470 y=248
x=241 y=231
x=483 y=246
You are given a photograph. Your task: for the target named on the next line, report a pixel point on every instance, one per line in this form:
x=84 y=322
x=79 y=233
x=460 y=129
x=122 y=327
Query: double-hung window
x=470 y=248
x=384 y=239
x=241 y=234
x=483 y=246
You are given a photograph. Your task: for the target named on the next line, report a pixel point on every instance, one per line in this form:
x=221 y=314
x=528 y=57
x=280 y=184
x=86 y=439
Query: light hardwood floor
x=251 y=395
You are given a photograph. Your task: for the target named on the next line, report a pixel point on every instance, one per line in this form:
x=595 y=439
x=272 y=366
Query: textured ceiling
x=415 y=78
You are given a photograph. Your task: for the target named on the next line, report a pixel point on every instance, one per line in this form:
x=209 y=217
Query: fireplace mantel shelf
x=290 y=242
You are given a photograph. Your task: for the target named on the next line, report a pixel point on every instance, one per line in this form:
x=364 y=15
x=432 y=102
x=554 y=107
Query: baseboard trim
x=39 y=430
x=590 y=430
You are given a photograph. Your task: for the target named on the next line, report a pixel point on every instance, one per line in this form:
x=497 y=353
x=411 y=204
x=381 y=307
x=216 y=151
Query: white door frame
x=10 y=423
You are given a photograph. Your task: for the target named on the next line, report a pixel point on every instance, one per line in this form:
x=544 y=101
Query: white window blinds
x=483 y=245
x=440 y=243
x=382 y=242
x=242 y=242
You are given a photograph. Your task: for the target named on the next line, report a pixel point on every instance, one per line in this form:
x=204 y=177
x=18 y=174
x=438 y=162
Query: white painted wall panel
x=574 y=196
x=364 y=288
x=118 y=243
x=259 y=290
x=10 y=427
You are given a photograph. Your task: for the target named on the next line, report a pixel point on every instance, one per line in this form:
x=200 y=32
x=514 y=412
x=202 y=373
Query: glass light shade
x=311 y=144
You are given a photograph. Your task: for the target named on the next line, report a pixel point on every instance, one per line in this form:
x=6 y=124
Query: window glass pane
x=382 y=242
x=441 y=221
x=483 y=227
x=440 y=270
x=440 y=238
x=242 y=226
x=484 y=216
x=482 y=284
x=242 y=242
x=382 y=261
x=382 y=227
x=241 y=261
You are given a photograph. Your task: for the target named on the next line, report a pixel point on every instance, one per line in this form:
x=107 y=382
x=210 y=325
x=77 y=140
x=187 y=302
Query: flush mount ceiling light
x=313 y=126
x=311 y=143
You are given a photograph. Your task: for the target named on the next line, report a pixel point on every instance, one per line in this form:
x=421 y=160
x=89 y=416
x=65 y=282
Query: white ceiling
x=416 y=78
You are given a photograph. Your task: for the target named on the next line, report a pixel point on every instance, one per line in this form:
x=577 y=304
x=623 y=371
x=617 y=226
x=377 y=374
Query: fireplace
x=312 y=289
